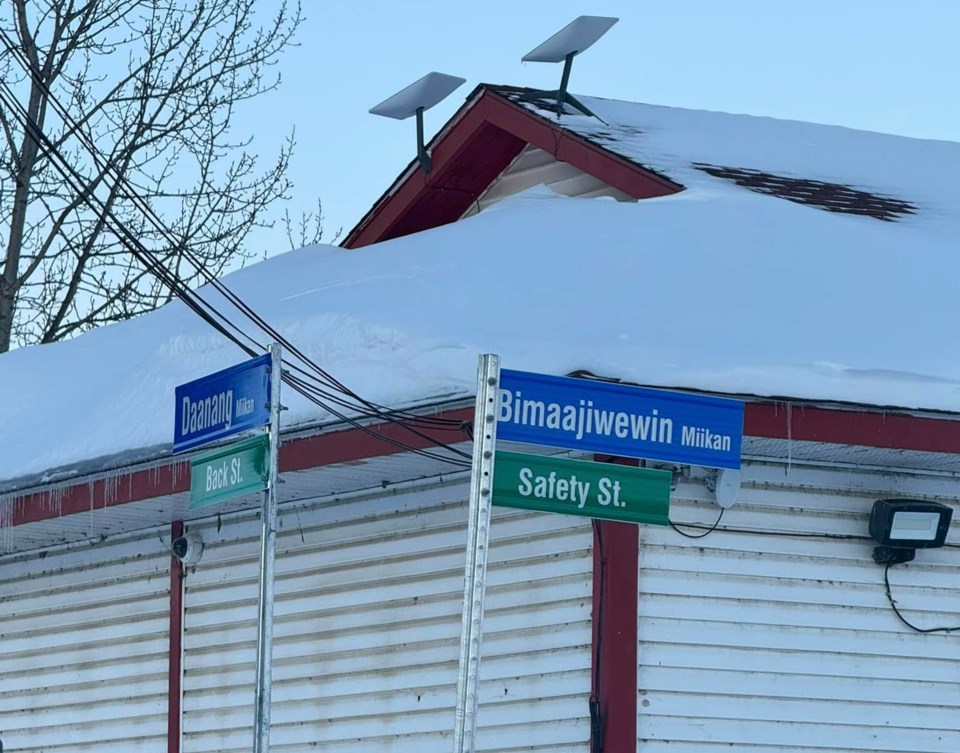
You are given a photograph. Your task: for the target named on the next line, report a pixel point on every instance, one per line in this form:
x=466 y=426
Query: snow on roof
x=717 y=288
x=688 y=145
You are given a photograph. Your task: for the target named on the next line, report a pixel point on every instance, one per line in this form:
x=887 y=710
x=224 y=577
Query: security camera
x=187 y=549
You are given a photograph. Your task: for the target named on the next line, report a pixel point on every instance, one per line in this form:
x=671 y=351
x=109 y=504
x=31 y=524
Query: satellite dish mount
x=564 y=46
x=420 y=96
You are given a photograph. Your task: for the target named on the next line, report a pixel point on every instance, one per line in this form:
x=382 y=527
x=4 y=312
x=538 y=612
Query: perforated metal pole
x=268 y=545
x=478 y=537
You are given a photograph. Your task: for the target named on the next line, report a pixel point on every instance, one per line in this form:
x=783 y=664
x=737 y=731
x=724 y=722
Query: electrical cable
x=131 y=195
x=408 y=420
x=196 y=303
x=904 y=620
x=709 y=530
x=769 y=532
x=306 y=391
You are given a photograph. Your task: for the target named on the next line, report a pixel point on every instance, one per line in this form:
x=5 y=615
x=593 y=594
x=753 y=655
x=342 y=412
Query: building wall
x=83 y=650
x=774 y=643
x=534 y=167
x=368 y=613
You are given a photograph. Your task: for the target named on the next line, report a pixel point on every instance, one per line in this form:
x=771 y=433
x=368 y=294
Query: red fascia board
x=460 y=151
x=447 y=147
x=453 y=188
x=867 y=427
x=297 y=454
x=567 y=146
x=774 y=420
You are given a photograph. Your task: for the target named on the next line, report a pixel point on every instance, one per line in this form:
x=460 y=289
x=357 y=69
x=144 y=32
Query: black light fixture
x=901 y=526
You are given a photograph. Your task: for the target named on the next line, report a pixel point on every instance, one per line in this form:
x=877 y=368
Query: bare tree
x=153 y=85
x=306 y=230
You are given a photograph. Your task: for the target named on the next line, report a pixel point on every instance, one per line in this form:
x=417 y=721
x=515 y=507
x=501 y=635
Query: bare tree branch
x=154 y=86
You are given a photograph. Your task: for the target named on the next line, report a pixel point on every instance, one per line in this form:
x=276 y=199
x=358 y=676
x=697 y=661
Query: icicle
x=91 y=517
x=6 y=521
x=108 y=486
x=786 y=470
x=54 y=501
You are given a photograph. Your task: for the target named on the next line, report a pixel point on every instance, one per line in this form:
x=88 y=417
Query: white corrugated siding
x=770 y=644
x=83 y=652
x=534 y=167
x=367 y=629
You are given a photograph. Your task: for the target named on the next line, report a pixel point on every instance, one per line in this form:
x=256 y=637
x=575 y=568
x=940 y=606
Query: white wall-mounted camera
x=187 y=548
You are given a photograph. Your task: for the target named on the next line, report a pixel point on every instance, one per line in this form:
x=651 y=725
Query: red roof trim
x=295 y=455
x=470 y=152
x=771 y=420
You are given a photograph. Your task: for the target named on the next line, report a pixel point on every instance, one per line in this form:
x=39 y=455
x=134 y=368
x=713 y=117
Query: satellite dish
x=563 y=46
x=572 y=39
x=413 y=100
x=728 y=487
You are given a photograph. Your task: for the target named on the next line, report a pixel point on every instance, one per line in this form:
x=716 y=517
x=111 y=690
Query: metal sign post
x=478 y=537
x=268 y=542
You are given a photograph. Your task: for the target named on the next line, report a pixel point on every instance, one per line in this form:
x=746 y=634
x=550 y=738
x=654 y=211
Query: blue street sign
x=222 y=404
x=617 y=419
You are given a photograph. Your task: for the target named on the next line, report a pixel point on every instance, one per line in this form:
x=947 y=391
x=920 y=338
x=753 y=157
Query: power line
x=904 y=620
x=196 y=302
x=370 y=409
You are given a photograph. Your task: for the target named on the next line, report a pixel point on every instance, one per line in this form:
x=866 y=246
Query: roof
x=716 y=287
x=823 y=165
x=668 y=149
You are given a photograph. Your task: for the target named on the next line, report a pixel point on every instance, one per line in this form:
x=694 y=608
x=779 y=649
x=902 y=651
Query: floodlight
x=563 y=46
x=901 y=526
x=413 y=100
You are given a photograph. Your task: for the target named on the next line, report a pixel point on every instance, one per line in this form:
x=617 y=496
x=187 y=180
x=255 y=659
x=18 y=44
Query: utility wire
x=196 y=302
x=365 y=407
x=706 y=533
x=904 y=620
x=372 y=409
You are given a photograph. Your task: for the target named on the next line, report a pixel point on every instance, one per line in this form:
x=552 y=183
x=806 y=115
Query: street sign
x=222 y=404
x=617 y=419
x=580 y=487
x=232 y=471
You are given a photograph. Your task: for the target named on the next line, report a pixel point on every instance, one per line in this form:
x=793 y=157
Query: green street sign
x=579 y=487
x=228 y=472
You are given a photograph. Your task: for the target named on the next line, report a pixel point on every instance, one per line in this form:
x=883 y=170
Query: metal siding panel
x=367 y=629
x=83 y=660
x=533 y=167
x=782 y=644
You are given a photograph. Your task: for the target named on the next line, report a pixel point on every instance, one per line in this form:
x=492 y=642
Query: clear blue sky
x=881 y=65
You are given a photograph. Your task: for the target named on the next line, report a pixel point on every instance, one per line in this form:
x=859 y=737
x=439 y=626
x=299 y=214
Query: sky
x=881 y=65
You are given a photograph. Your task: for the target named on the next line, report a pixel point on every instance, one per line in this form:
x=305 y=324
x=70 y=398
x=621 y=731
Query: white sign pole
x=268 y=544
x=478 y=537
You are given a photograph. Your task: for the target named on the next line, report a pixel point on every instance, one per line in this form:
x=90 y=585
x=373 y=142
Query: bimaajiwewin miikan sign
x=581 y=415
x=617 y=419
